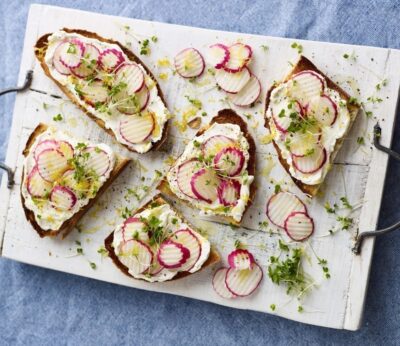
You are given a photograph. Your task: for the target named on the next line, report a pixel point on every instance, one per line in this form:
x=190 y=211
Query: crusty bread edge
x=302 y=65
x=212 y=258
x=226 y=116
x=69 y=224
x=40 y=52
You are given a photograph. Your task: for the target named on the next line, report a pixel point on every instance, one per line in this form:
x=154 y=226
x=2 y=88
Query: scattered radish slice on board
x=299 y=226
x=110 y=59
x=229 y=161
x=189 y=63
x=89 y=62
x=204 y=185
x=218 y=55
x=305 y=85
x=323 y=109
x=133 y=228
x=184 y=175
x=239 y=56
x=97 y=160
x=248 y=94
x=228 y=192
x=281 y=205
x=243 y=282
x=36 y=185
x=232 y=82
x=283 y=112
x=213 y=145
x=219 y=284
x=310 y=163
x=62 y=198
x=135 y=255
x=241 y=259
x=71 y=53
x=43 y=145
x=94 y=92
x=51 y=164
x=131 y=76
x=133 y=104
x=137 y=128
x=172 y=255
x=58 y=65
x=189 y=240
x=66 y=149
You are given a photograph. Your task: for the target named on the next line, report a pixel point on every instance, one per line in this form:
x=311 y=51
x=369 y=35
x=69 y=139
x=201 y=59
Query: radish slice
x=189 y=240
x=36 y=185
x=305 y=85
x=204 y=185
x=155 y=267
x=133 y=104
x=228 y=192
x=219 y=284
x=131 y=76
x=110 y=59
x=323 y=109
x=172 y=255
x=249 y=94
x=184 y=175
x=66 y=149
x=239 y=56
x=299 y=226
x=94 y=92
x=62 y=198
x=97 y=160
x=58 y=65
x=137 y=128
x=284 y=111
x=281 y=205
x=302 y=144
x=89 y=62
x=189 y=63
x=241 y=259
x=229 y=161
x=133 y=228
x=243 y=282
x=71 y=53
x=78 y=186
x=213 y=145
x=43 y=145
x=51 y=164
x=218 y=55
x=310 y=163
x=232 y=82
x=135 y=255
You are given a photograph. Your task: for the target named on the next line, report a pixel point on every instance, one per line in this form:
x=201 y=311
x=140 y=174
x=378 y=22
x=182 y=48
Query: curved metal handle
x=10 y=174
x=27 y=84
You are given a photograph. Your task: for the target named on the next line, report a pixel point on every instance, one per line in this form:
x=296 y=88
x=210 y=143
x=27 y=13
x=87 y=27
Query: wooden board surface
x=358 y=172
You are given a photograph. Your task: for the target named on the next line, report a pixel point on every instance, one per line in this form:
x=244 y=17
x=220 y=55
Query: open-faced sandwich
x=156 y=244
x=215 y=173
x=308 y=116
x=109 y=83
x=62 y=178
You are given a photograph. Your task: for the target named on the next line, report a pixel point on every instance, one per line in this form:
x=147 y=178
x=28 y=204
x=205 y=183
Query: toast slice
x=40 y=49
x=156 y=201
x=68 y=225
x=353 y=107
x=226 y=116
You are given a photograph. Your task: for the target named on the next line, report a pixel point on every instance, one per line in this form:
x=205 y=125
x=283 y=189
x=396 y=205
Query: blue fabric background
x=43 y=307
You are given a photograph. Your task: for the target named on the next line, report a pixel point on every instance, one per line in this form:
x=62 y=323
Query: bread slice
x=68 y=225
x=302 y=65
x=40 y=52
x=226 y=116
x=158 y=199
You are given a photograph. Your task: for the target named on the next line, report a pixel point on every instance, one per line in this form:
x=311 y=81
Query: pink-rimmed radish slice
x=228 y=192
x=36 y=185
x=137 y=128
x=184 y=175
x=189 y=240
x=204 y=185
x=155 y=267
x=305 y=85
x=66 y=149
x=89 y=62
x=302 y=144
x=76 y=185
x=172 y=255
x=232 y=82
x=43 y=145
x=312 y=162
x=281 y=205
x=135 y=255
x=229 y=161
x=94 y=92
x=189 y=63
x=133 y=228
x=241 y=259
x=133 y=104
x=324 y=109
x=131 y=75
x=213 y=145
x=62 y=198
x=58 y=65
x=284 y=111
x=97 y=160
x=51 y=164
x=219 y=284
x=218 y=55
x=299 y=226
x=71 y=53
x=243 y=282
x=110 y=59
x=249 y=93
x=239 y=56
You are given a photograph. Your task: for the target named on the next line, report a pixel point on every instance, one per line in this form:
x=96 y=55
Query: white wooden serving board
x=358 y=173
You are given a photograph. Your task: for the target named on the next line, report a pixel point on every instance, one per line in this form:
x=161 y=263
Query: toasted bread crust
x=68 y=225
x=40 y=52
x=226 y=116
x=212 y=258
x=302 y=65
